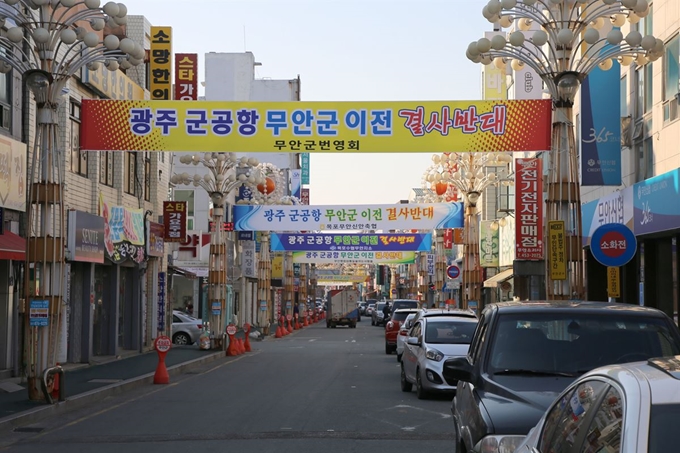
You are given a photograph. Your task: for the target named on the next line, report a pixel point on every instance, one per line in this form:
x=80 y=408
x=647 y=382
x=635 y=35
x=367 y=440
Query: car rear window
x=396 y=305
x=576 y=343
x=442 y=331
x=662 y=425
x=400 y=316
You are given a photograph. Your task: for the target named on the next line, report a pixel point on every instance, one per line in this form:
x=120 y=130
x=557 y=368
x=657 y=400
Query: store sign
x=351 y=217
x=12 y=174
x=430 y=263
x=354 y=242
x=112 y=84
x=155 y=239
x=304 y=164
x=160 y=306
x=529 y=209
x=86 y=237
x=557 y=250
x=304 y=196
x=175 y=220
x=489 y=244
x=39 y=313
x=354 y=257
x=448 y=239
x=160 y=66
x=296 y=183
x=323 y=127
x=656 y=203
x=123 y=232
x=248 y=259
x=186 y=76
x=617 y=207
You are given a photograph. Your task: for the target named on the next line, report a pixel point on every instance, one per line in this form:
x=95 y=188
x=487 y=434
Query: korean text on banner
x=557 y=253
x=160 y=64
x=304 y=165
x=351 y=242
x=489 y=244
x=326 y=127
x=355 y=257
x=186 y=76
x=123 y=232
x=529 y=209
x=175 y=220
x=352 y=217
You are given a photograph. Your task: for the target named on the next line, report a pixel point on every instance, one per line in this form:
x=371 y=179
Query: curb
x=76 y=401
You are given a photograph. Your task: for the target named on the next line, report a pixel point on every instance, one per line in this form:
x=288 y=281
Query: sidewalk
x=89 y=383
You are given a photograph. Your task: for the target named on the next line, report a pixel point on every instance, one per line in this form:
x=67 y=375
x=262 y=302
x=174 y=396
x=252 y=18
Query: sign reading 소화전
x=175 y=220
x=324 y=127
x=353 y=217
x=160 y=64
x=528 y=209
x=351 y=242
x=186 y=76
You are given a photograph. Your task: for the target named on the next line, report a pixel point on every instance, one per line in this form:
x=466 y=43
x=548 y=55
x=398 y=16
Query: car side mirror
x=415 y=341
x=458 y=369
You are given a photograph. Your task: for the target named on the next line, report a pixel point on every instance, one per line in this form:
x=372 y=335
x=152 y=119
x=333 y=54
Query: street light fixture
x=48 y=42
x=561 y=41
x=466 y=174
x=226 y=173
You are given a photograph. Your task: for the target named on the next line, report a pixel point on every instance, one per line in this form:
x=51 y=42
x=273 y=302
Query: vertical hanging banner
x=296 y=183
x=160 y=310
x=160 y=64
x=304 y=196
x=186 y=76
x=489 y=244
x=529 y=209
x=557 y=253
x=304 y=165
x=175 y=220
x=448 y=238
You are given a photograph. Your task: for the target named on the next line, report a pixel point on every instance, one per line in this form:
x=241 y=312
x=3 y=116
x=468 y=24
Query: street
x=319 y=389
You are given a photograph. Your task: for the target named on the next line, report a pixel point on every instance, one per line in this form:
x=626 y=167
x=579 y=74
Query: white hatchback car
x=632 y=407
x=403 y=334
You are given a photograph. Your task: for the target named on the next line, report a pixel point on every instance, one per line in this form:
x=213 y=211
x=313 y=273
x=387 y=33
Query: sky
x=343 y=50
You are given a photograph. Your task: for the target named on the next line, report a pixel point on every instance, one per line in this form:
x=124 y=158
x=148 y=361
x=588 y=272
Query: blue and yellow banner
x=354 y=257
x=348 y=242
x=323 y=127
x=350 y=218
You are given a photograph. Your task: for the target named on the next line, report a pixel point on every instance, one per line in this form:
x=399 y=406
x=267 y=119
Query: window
x=130 y=174
x=5 y=98
x=188 y=196
x=671 y=79
x=662 y=426
x=106 y=168
x=147 y=177
x=648 y=88
x=645 y=159
x=78 y=157
x=604 y=431
x=623 y=96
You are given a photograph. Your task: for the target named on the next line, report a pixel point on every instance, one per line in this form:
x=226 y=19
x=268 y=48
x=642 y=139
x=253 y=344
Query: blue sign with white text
x=656 y=203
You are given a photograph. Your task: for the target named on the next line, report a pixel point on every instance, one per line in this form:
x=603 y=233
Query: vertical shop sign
x=186 y=77
x=430 y=263
x=304 y=196
x=249 y=259
x=304 y=166
x=529 y=209
x=160 y=310
x=175 y=220
x=448 y=238
x=160 y=63
x=489 y=244
x=295 y=183
x=557 y=253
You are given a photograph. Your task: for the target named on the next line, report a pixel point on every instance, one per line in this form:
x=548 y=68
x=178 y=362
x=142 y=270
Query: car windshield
x=442 y=331
x=380 y=306
x=576 y=343
x=397 y=304
x=662 y=424
x=399 y=316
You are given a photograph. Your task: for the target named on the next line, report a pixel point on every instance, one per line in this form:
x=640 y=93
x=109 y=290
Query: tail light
x=403 y=332
x=390 y=325
x=200 y=326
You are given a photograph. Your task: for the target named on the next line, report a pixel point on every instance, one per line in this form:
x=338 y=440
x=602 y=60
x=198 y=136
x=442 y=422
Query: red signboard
x=448 y=238
x=529 y=209
x=304 y=196
x=175 y=220
x=186 y=77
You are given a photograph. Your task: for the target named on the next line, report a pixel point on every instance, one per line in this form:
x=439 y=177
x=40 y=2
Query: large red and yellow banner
x=325 y=127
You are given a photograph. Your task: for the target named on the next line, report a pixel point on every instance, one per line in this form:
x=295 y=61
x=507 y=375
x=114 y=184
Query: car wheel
x=399 y=358
x=181 y=339
x=388 y=349
x=372 y=322
x=420 y=391
x=406 y=386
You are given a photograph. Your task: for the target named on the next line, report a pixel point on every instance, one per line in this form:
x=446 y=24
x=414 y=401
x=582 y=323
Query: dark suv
x=523 y=354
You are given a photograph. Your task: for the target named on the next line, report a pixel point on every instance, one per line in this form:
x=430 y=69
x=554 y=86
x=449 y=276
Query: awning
x=12 y=247
x=179 y=271
x=498 y=278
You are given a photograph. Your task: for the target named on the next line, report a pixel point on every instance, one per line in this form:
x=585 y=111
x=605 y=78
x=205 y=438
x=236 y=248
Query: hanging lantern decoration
x=440 y=188
x=267 y=187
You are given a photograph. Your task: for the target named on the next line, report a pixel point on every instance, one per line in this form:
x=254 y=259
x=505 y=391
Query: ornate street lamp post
x=561 y=41
x=226 y=173
x=48 y=42
x=465 y=174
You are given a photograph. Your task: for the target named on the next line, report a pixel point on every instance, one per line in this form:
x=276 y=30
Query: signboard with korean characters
x=351 y=242
x=303 y=126
x=528 y=209
x=186 y=76
x=160 y=66
x=355 y=257
x=248 y=259
x=352 y=217
x=175 y=220
x=613 y=244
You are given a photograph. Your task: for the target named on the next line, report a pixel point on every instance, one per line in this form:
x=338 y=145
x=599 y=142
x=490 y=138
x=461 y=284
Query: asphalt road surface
x=317 y=390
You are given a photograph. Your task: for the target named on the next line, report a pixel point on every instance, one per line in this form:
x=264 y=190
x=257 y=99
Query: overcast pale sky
x=344 y=50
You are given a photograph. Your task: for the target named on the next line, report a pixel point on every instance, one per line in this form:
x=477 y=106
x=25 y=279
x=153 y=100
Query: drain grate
x=28 y=429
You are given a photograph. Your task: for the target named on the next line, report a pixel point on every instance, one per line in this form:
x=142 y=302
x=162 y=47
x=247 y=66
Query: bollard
x=304 y=321
x=57 y=375
x=232 y=348
x=290 y=323
x=162 y=344
x=246 y=343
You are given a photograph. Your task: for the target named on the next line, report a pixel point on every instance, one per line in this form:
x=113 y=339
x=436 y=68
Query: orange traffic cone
x=55 y=387
x=279 y=332
x=246 y=344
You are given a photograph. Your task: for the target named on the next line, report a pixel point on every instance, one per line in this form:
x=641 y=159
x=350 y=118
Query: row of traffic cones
x=238 y=346
x=287 y=326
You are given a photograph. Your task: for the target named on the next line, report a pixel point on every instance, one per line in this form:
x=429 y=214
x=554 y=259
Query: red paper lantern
x=267 y=187
x=440 y=188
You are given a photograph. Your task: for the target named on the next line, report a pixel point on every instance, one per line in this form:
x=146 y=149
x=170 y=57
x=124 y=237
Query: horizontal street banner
x=351 y=242
x=352 y=217
x=343 y=278
x=323 y=127
x=354 y=258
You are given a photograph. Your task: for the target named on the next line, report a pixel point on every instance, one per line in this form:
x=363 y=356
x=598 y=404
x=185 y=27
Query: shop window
x=130 y=174
x=106 y=168
x=671 y=80
x=78 y=157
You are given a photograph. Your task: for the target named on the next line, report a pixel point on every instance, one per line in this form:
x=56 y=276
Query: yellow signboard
x=277 y=266
x=557 y=250
x=112 y=84
x=325 y=127
x=342 y=278
x=160 y=63
x=613 y=282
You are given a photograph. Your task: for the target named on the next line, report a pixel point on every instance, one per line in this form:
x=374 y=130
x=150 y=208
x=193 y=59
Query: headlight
x=499 y=444
x=435 y=355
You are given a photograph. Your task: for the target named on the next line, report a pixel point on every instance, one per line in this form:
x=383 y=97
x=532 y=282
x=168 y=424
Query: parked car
x=403 y=334
x=185 y=329
x=362 y=307
x=393 y=325
x=431 y=312
x=631 y=407
x=377 y=316
x=524 y=354
x=369 y=309
x=397 y=304
x=431 y=341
